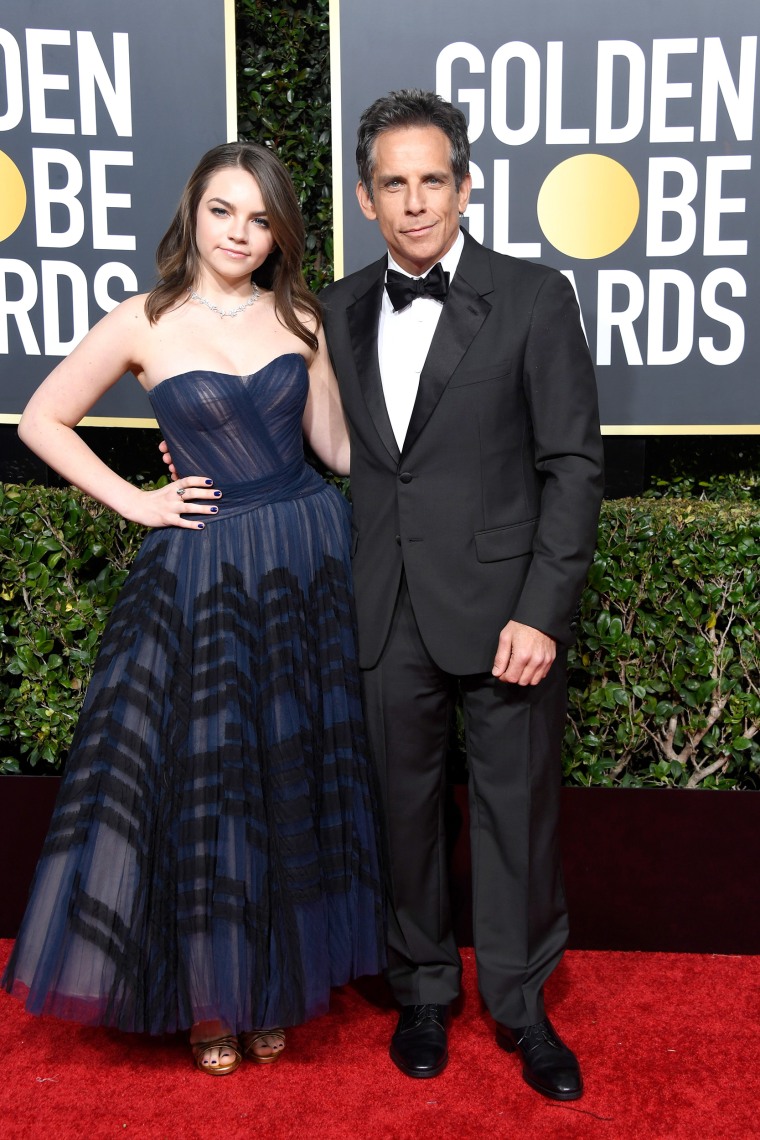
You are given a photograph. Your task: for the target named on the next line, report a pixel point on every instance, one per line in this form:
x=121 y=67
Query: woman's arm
x=323 y=422
x=111 y=348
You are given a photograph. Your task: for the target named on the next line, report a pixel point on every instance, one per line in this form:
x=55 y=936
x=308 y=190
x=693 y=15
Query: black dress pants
x=513 y=738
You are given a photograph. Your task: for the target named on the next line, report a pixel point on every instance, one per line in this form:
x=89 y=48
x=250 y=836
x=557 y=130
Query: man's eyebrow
x=440 y=174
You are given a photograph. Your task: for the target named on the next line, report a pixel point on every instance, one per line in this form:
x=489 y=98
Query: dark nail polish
x=209 y=482
x=200 y=526
x=217 y=494
x=214 y=510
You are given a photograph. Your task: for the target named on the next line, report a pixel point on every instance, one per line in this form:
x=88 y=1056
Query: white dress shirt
x=403 y=342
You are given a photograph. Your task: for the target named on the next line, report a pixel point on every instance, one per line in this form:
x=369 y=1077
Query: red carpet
x=668 y=1045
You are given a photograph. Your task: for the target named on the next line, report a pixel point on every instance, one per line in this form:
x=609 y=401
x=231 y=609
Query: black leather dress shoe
x=549 y=1066
x=418 y=1047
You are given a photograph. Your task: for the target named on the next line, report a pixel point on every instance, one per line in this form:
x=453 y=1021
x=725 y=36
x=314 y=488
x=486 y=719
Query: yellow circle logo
x=588 y=206
x=12 y=196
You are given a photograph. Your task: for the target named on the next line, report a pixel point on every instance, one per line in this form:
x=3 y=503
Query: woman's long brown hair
x=177 y=254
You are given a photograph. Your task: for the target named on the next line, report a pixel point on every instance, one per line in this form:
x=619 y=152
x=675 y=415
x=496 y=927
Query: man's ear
x=366 y=204
x=464 y=192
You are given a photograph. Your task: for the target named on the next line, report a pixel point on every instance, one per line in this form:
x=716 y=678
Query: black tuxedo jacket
x=491 y=506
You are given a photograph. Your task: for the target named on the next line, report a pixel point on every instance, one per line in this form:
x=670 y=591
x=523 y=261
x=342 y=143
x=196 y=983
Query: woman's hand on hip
x=166 y=506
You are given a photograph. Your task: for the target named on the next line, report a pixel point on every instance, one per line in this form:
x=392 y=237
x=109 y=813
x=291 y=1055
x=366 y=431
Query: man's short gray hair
x=411 y=108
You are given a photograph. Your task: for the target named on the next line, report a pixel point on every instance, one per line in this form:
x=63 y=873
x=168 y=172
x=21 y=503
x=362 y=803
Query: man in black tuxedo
x=476 y=477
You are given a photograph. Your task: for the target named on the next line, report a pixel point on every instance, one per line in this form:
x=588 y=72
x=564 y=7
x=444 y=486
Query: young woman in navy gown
x=212 y=863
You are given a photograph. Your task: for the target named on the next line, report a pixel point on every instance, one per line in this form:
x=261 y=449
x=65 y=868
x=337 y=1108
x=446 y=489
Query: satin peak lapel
x=363 y=317
x=462 y=316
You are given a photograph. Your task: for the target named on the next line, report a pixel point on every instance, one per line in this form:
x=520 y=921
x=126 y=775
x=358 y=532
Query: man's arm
x=560 y=389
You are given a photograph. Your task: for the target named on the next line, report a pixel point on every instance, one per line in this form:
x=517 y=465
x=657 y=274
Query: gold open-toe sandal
x=264 y=1046
x=217 y=1068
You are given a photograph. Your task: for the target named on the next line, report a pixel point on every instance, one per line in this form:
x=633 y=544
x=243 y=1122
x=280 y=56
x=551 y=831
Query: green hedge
x=283 y=92
x=665 y=678
x=664 y=681
x=63 y=559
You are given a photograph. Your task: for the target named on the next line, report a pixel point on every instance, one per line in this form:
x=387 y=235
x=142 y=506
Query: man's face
x=416 y=203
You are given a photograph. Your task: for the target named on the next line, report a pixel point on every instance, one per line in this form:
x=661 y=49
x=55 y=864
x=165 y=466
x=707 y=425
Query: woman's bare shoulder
x=130 y=311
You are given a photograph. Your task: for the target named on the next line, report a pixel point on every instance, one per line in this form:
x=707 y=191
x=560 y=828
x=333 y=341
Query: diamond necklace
x=225 y=312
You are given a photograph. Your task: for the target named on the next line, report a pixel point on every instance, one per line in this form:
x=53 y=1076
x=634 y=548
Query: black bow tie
x=402 y=290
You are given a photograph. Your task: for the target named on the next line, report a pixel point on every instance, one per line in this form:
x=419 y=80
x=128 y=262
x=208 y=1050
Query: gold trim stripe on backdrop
x=94 y=421
x=607 y=429
x=336 y=118
x=680 y=429
x=230 y=62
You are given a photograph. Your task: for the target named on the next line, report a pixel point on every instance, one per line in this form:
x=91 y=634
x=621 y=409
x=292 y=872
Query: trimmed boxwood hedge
x=664 y=680
x=63 y=559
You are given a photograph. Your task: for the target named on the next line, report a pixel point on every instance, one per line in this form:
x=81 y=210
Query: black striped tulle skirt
x=213 y=853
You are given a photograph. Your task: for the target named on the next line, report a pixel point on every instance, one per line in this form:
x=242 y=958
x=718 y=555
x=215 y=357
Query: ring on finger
x=181 y=491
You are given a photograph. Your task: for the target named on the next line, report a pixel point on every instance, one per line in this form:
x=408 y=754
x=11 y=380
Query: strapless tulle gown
x=213 y=852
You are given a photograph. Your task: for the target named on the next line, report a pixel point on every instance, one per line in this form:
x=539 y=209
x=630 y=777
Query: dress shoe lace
x=430 y=1012
x=535 y=1035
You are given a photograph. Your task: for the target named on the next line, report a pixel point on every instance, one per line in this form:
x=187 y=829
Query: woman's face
x=232 y=231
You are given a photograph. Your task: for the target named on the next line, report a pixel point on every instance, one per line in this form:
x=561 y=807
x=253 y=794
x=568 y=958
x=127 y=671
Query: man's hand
x=163 y=447
x=524 y=656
